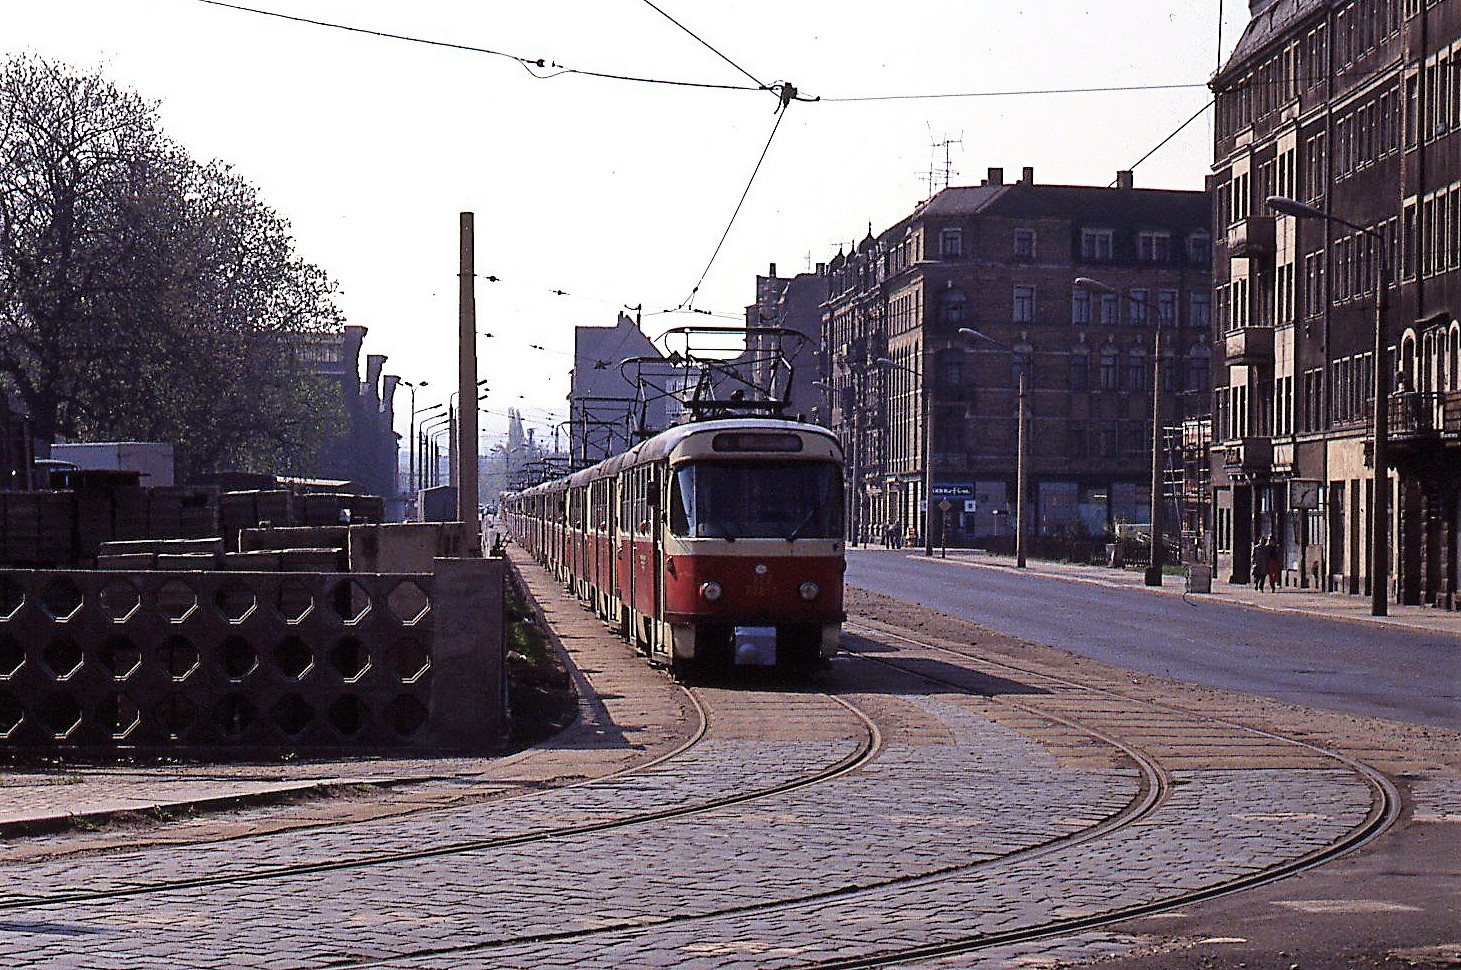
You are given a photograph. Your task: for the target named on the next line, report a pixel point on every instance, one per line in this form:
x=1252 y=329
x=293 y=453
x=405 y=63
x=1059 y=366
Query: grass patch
x=539 y=690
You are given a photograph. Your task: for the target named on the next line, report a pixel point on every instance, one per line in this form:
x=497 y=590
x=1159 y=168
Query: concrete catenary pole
x=465 y=447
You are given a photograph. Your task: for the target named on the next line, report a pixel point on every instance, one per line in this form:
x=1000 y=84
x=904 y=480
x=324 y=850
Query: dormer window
x=1096 y=245
x=1154 y=247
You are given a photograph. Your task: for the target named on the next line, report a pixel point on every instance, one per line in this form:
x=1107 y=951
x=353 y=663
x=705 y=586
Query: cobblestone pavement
x=958 y=827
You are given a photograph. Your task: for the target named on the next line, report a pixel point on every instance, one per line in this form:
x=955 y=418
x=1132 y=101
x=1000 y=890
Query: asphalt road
x=1331 y=664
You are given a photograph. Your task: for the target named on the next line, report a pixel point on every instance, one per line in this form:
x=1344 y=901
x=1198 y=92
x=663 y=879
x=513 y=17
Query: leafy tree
x=144 y=295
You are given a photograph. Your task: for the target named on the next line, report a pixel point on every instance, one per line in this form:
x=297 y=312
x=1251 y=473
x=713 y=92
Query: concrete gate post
x=467 y=678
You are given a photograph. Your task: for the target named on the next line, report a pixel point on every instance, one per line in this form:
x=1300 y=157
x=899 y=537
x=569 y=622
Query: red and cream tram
x=712 y=544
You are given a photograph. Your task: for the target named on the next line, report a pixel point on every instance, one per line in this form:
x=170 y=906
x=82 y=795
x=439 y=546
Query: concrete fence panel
x=112 y=662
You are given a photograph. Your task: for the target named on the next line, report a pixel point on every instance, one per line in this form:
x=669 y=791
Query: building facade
x=1352 y=107
x=777 y=368
x=925 y=408
x=614 y=405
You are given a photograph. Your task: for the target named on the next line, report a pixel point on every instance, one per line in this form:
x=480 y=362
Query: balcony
x=1417 y=415
x=1250 y=345
x=1248 y=456
x=1251 y=237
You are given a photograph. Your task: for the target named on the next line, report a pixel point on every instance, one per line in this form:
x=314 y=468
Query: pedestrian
x=912 y=537
x=1260 y=564
x=1275 y=564
x=888 y=530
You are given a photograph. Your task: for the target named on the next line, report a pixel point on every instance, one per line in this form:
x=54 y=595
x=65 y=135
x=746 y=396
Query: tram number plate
x=755 y=646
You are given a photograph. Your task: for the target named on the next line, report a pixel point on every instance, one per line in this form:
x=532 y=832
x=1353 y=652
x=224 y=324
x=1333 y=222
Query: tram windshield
x=757 y=500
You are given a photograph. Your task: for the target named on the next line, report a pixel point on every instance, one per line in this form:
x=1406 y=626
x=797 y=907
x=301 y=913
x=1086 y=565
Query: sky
x=592 y=194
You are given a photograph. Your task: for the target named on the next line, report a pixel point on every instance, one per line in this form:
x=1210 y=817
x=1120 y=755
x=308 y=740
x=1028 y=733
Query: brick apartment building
x=1002 y=259
x=1353 y=108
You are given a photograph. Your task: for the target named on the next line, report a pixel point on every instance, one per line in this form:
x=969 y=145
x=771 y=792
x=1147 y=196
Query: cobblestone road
x=957 y=828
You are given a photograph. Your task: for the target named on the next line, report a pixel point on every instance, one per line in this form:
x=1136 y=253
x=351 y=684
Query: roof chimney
x=1125 y=179
x=1027 y=175
x=996 y=176
x=772 y=272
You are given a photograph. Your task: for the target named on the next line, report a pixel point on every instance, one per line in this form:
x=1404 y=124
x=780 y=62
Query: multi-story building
x=913 y=389
x=364 y=449
x=1352 y=107
x=790 y=368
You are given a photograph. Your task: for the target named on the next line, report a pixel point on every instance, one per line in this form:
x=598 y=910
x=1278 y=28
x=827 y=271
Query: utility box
x=1199 y=578
x=153 y=460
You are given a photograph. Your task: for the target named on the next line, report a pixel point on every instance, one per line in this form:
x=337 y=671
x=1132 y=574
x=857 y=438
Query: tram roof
x=666 y=441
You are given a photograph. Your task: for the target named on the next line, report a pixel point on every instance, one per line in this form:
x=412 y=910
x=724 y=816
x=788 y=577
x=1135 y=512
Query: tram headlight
x=809 y=590
x=710 y=591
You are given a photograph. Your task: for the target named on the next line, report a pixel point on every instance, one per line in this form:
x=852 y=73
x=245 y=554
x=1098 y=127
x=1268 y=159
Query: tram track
x=865 y=751
x=1154 y=785
x=1384 y=811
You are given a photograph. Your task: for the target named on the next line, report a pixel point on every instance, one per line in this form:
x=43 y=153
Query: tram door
x=655 y=486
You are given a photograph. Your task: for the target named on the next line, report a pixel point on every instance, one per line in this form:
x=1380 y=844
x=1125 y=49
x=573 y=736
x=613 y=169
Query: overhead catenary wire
x=706 y=44
x=530 y=64
x=689 y=301
x=1175 y=132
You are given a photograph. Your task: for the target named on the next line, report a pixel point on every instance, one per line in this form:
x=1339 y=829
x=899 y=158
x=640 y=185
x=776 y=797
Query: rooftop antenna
x=946 y=143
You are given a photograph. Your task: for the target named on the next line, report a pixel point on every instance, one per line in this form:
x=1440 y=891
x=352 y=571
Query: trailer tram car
x=711 y=545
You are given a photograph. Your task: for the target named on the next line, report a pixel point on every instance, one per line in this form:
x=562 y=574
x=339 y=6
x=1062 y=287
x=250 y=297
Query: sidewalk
x=1286 y=599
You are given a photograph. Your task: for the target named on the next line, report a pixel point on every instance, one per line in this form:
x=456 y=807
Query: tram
x=712 y=545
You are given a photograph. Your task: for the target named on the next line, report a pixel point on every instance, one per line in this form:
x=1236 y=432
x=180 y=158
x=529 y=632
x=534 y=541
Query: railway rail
x=1138 y=731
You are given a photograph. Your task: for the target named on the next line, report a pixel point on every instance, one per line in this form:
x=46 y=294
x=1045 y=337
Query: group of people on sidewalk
x=894 y=537
x=1267 y=564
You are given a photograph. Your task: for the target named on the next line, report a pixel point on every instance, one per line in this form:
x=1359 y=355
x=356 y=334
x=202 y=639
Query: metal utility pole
x=1154 y=571
x=464 y=448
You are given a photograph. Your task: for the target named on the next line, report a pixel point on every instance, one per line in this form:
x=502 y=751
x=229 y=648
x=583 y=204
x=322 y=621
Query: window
x=1075 y=437
x=951 y=373
x=1154 y=247
x=951 y=307
x=1024 y=304
x=1080 y=369
x=1199 y=249
x=1024 y=244
x=1136 y=304
x=1199 y=309
x=1136 y=370
x=1110 y=373
x=1096 y=244
x=1110 y=309
x=800 y=500
x=1166 y=307
x=951 y=243
x=1080 y=305
x=1199 y=369
x=1023 y=361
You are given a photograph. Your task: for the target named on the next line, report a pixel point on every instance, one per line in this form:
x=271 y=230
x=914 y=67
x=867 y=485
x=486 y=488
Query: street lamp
x=887 y=363
x=434 y=478
x=1021 y=445
x=1380 y=524
x=411 y=477
x=1153 y=576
